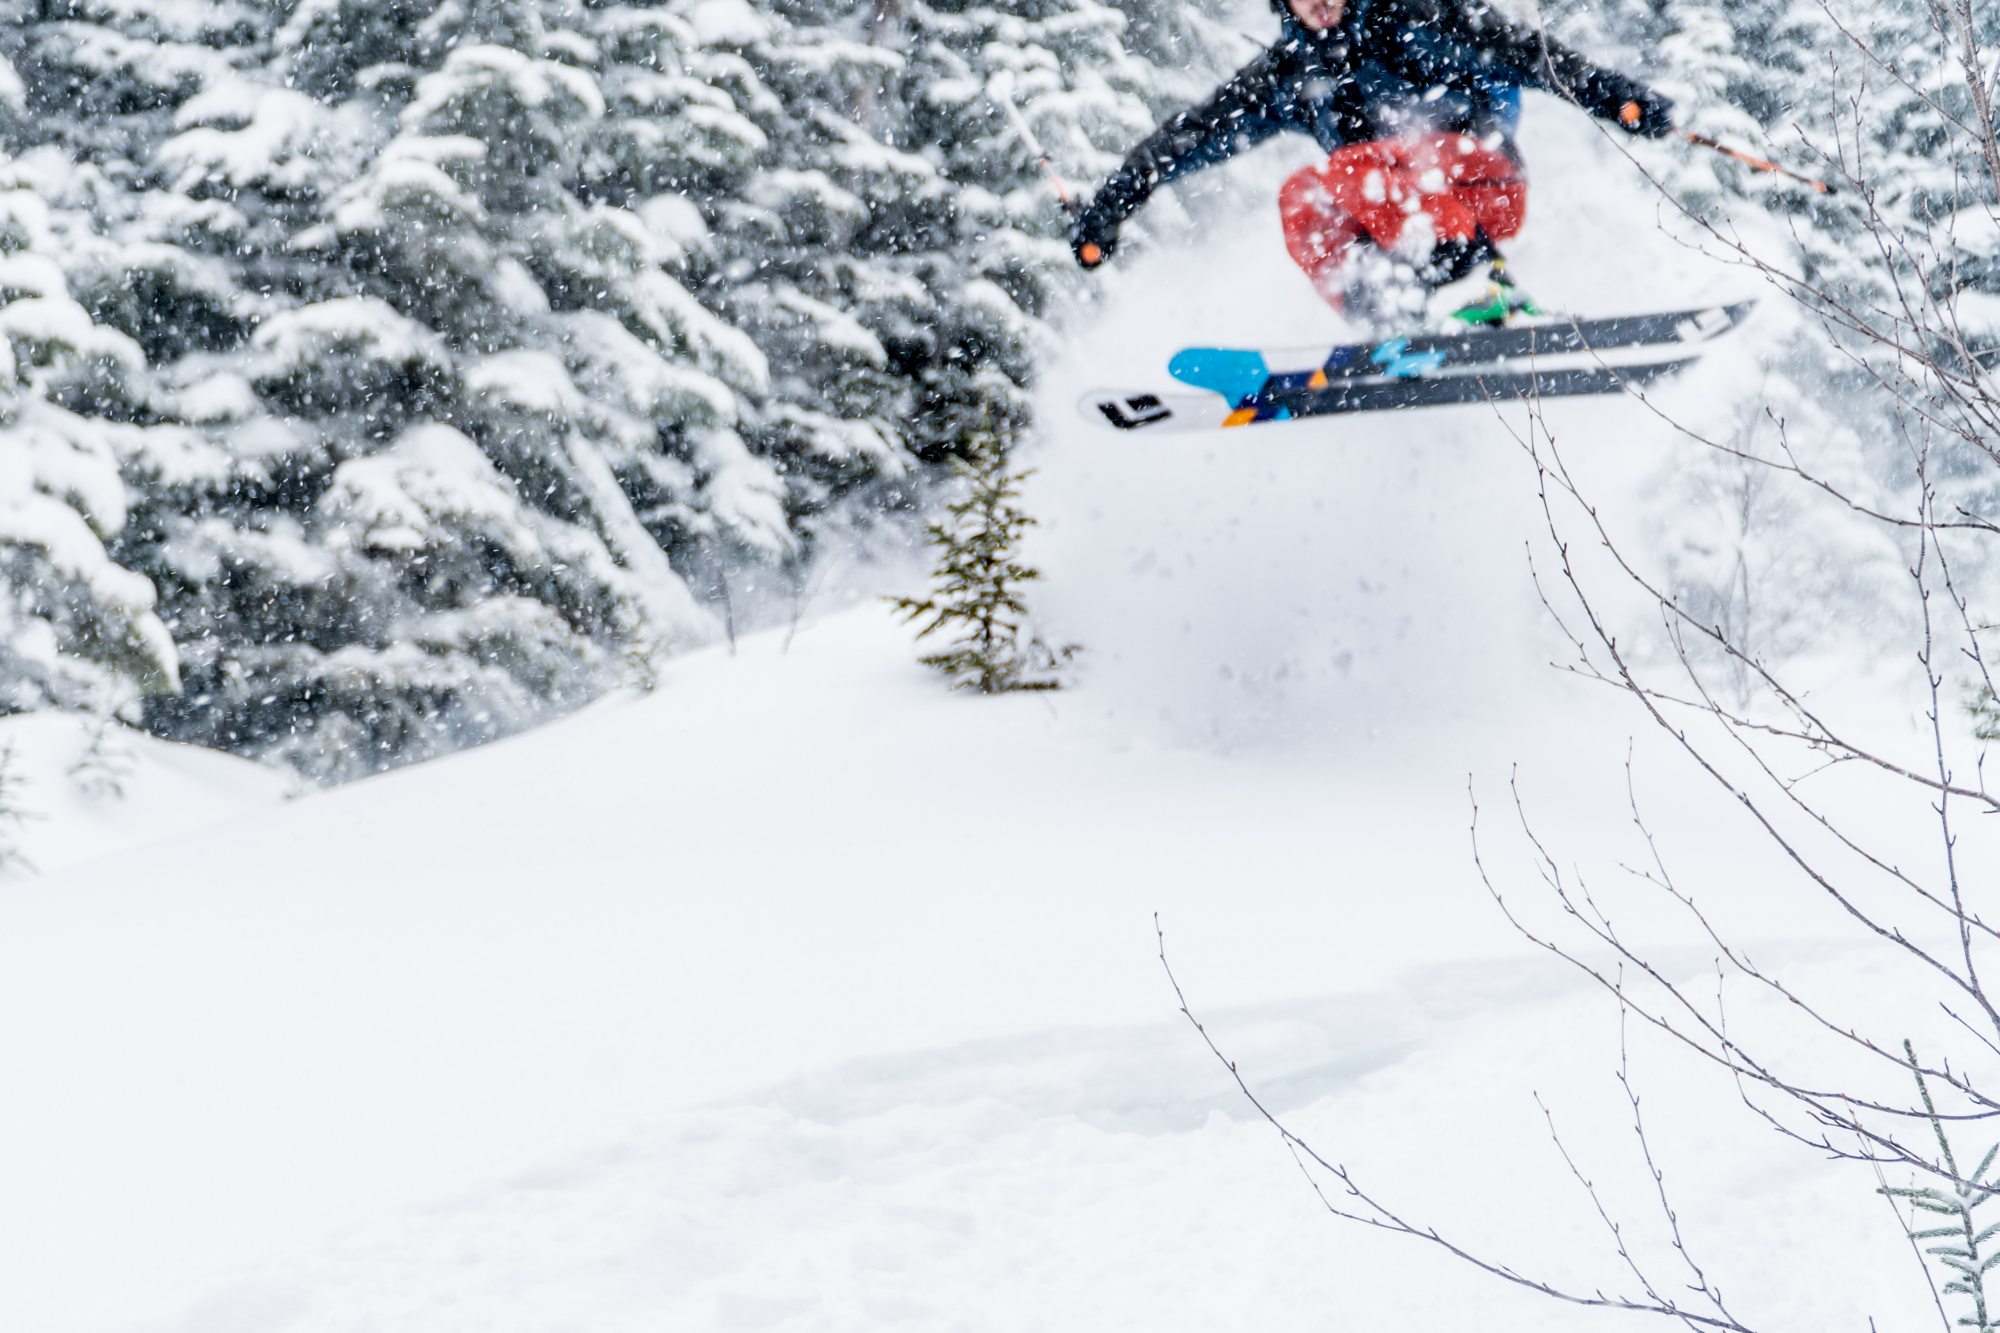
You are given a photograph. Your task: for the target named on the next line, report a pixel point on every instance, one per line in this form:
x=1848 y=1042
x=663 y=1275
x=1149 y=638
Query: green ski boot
x=1503 y=301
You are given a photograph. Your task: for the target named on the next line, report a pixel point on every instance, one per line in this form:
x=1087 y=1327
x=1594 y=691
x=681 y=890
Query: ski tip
x=1716 y=320
x=1126 y=411
x=1145 y=411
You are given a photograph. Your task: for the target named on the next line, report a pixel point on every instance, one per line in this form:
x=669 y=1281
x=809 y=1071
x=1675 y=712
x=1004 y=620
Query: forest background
x=381 y=377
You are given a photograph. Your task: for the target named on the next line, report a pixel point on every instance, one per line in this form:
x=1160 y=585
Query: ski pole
x=1758 y=163
x=1629 y=115
x=1000 y=89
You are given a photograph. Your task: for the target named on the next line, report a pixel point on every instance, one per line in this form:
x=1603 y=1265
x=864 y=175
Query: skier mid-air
x=1415 y=103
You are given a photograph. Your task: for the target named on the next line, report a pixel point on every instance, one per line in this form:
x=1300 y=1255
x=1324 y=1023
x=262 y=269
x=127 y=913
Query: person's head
x=1318 y=15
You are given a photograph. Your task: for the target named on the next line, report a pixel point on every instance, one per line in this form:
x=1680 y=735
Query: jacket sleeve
x=1447 y=43
x=1541 y=61
x=1552 y=67
x=1241 y=114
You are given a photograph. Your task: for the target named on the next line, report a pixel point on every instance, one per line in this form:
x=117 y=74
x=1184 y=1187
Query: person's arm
x=1605 y=93
x=1241 y=114
x=1489 y=47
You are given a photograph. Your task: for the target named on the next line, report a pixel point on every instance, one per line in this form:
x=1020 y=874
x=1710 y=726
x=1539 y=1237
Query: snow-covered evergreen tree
x=1865 y=95
x=76 y=630
x=384 y=370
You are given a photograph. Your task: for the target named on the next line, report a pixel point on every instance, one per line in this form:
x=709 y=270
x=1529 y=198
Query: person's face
x=1318 y=15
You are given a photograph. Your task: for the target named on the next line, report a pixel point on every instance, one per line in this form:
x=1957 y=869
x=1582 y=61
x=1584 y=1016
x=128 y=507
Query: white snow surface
x=802 y=994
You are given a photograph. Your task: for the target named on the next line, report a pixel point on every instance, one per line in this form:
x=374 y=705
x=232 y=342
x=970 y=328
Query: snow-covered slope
x=1097 y=1179
x=799 y=993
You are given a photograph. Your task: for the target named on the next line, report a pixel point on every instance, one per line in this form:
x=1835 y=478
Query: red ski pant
x=1404 y=194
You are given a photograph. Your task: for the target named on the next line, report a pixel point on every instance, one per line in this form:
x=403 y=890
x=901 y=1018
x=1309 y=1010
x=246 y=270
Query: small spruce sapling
x=644 y=655
x=978 y=579
x=101 y=771
x=1966 y=1194
x=1985 y=710
x=12 y=813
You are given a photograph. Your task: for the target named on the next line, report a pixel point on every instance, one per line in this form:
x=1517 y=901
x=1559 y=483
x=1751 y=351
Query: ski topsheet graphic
x=1553 y=360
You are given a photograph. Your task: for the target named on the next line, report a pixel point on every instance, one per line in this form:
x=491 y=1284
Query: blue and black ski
x=1551 y=360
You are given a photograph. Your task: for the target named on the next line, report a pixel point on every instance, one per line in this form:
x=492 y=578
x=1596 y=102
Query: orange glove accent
x=1090 y=254
x=1629 y=114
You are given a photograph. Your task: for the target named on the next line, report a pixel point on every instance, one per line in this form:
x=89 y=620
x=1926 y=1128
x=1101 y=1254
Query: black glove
x=1093 y=232
x=1647 y=114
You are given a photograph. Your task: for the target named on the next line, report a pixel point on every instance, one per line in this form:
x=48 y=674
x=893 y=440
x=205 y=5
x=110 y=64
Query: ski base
x=1553 y=359
x=1169 y=413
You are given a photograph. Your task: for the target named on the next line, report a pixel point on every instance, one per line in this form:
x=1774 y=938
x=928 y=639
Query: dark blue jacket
x=1391 y=67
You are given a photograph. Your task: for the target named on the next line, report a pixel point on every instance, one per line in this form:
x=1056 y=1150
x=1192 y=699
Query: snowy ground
x=799 y=994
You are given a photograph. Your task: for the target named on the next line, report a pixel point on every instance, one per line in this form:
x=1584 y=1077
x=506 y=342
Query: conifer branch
x=978 y=579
